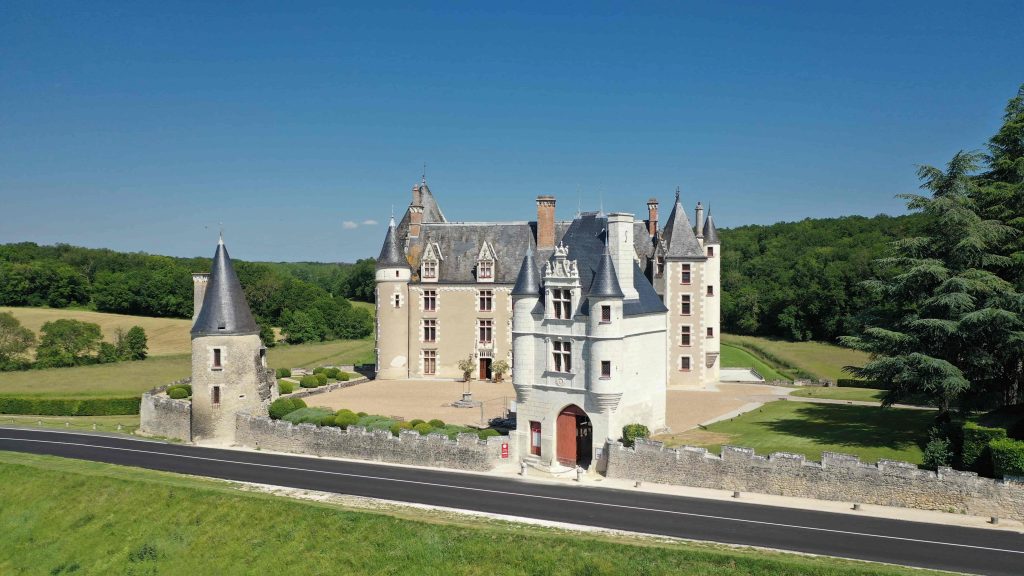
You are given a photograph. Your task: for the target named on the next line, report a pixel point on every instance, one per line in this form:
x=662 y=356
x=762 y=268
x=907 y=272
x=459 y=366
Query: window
x=398 y=300
x=606 y=314
x=429 y=330
x=711 y=251
x=216 y=395
x=430 y=269
x=486 y=300
x=535 y=438
x=711 y=290
x=711 y=332
x=485 y=269
x=659 y=267
x=684 y=335
x=217 y=365
x=606 y=369
x=684 y=305
x=684 y=363
x=486 y=331
x=562 y=300
x=563 y=356
x=430 y=362
x=429 y=300
x=686 y=274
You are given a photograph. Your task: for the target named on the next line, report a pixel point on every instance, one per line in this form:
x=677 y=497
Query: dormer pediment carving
x=560 y=266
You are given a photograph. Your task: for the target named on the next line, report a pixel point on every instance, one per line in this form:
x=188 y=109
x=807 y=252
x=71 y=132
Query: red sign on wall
x=504 y=449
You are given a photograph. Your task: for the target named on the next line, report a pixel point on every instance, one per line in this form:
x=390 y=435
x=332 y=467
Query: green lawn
x=810 y=429
x=62 y=516
x=835 y=393
x=75 y=423
x=733 y=357
x=818 y=358
x=126 y=378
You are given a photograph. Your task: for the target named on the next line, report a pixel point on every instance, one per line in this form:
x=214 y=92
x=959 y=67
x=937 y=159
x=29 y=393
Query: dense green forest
x=308 y=301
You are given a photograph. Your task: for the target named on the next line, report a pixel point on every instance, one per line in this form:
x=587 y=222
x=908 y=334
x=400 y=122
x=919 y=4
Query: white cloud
x=369 y=222
x=349 y=225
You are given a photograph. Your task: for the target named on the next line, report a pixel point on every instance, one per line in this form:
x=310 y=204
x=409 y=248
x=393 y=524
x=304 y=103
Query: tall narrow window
x=429 y=330
x=606 y=369
x=659 y=268
x=562 y=352
x=430 y=362
x=685 y=275
x=217 y=359
x=711 y=251
x=562 y=300
x=535 y=438
x=486 y=331
x=684 y=335
x=398 y=301
x=684 y=363
x=711 y=290
x=429 y=300
x=606 y=314
x=711 y=332
x=216 y=395
x=486 y=300
x=684 y=304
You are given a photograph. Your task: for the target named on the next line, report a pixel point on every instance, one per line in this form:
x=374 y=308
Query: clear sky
x=143 y=125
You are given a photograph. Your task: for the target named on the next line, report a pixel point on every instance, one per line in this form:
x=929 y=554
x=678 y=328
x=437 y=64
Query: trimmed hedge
x=284 y=406
x=423 y=428
x=397 y=427
x=630 y=432
x=854 y=383
x=308 y=415
x=177 y=393
x=975 y=455
x=415 y=421
x=118 y=406
x=285 y=387
x=485 y=434
x=309 y=382
x=344 y=418
x=332 y=373
x=436 y=423
x=1007 y=457
x=284 y=372
x=344 y=376
x=318 y=370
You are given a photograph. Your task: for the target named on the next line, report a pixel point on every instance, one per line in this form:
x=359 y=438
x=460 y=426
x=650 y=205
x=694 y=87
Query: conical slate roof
x=679 y=238
x=606 y=282
x=528 y=281
x=390 y=254
x=710 y=232
x=225 y=311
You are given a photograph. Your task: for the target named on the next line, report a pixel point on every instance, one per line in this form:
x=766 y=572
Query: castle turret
x=229 y=371
x=393 y=276
x=712 y=299
x=604 y=331
x=525 y=298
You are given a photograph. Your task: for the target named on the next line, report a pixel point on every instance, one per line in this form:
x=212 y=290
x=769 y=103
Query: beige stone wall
x=393 y=323
x=161 y=415
x=672 y=289
x=245 y=384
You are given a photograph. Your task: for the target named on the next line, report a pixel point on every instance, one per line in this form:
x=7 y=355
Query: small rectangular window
x=398 y=300
x=684 y=335
x=685 y=275
x=711 y=251
x=711 y=332
x=216 y=358
x=485 y=269
x=606 y=313
x=430 y=269
x=659 y=269
x=684 y=305
x=562 y=353
x=429 y=300
x=684 y=363
x=429 y=330
x=711 y=290
x=535 y=438
x=606 y=369
x=486 y=300
x=216 y=395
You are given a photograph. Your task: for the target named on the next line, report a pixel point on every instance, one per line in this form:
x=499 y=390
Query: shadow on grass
x=856 y=426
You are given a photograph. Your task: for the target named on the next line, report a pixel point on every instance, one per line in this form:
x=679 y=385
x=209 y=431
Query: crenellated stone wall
x=468 y=452
x=306 y=392
x=161 y=415
x=838 y=477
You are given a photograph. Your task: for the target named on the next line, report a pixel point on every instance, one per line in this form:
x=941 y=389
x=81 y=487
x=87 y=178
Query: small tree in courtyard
x=466 y=365
x=499 y=369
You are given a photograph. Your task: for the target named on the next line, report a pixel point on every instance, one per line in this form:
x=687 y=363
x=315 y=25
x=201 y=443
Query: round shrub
x=309 y=382
x=328 y=420
x=347 y=412
x=361 y=414
x=332 y=373
x=177 y=393
x=423 y=428
x=345 y=418
x=630 y=432
x=415 y=422
x=321 y=379
x=435 y=423
x=282 y=407
x=284 y=372
x=319 y=370
x=344 y=376
x=485 y=434
x=397 y=427
x=299 y=403
x=285 y=387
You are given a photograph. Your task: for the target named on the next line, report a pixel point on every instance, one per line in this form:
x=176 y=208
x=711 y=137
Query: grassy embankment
x=818 y=359
x=64 y=516
x=736 y=357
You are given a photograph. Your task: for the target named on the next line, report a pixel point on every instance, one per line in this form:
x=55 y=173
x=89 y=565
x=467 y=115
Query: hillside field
x=164 y=335
x=62 y=516
x=820 y=359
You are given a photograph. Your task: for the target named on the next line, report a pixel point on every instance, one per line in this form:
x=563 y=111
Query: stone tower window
x=217 y=360
x=711 y=332
x=606 y=369
x=562 y=300
x=684 y=305
x=486 y=269
x=216 y=395
x=606 y=314
x=486 y=331
x=685 y=275
x=711 y=290
x=430 y=269
x=684 y=335
x=398 y=301
x=659 y=268
x=430 y=362
x=562 y=354
x=430 y=330
x=684 y=363
x=711 y=251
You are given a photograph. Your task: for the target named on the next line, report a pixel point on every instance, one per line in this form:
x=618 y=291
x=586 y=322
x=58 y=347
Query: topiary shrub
x=309 y=382
x=344 y=376
x=435 y=423
x=630 y=432
x=299 y=403
x=423 y=428
x=332 y=373
x=319 y=370
x=321 y=379
x=975 y=455
x=361 y=414
x=397 y=427
x=1007 y=457
x=328 y=420
x=416 y=421
x=285 y=387
x=177 y=393
x=485 y=434
x=284 y=372
x=281 y=407
x=308 y=415
x=345 y=418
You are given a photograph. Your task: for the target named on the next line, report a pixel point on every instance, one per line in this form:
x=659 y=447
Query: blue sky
x=144 y=125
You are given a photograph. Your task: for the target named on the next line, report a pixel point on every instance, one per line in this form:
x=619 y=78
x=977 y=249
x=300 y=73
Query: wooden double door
x=574 y=437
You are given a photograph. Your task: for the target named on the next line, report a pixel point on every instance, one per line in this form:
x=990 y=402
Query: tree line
x=66 y=342
x=288 y=295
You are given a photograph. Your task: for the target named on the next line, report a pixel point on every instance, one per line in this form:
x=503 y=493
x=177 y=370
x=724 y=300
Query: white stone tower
x=393 y=276
x=712 y=306
x=229 y=370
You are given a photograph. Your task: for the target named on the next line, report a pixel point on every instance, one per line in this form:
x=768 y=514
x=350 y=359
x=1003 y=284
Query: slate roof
x=680 y=241
x=528 y=280
x=710 y=232
x=225 y=310
x=390 y=253
x=431 y=211
x=606 y=283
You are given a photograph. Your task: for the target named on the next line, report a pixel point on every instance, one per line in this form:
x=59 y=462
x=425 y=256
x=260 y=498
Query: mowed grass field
x=164 y=335
x=734 y=357
x=833 y=393
x=818 y=358
x=869 y=432
x=61 y=516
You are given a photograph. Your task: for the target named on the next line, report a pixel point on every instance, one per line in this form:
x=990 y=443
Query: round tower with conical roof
x=712 y=299
x=229 y=370
x=393 y=277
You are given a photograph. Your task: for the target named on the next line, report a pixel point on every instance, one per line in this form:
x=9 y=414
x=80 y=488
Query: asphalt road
x=899 y=542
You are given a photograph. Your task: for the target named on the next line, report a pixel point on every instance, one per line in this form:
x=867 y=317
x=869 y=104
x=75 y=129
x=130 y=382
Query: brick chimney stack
x=545 y=222
x=652 y=217
x=416 y=211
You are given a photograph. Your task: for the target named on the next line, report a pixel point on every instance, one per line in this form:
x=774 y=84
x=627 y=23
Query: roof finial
x=677 y=193
x=424 y=180
x=600 y=196
x=220 y=241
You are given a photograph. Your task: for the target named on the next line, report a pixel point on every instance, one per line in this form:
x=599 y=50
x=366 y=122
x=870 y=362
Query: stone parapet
x=161 y=415
x=305 y=392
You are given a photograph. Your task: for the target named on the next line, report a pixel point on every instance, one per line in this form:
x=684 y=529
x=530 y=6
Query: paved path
x=855 y=403
x=893 y=541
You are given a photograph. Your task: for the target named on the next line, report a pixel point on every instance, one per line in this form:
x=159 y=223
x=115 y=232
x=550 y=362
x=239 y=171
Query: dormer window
x=430 y=263
x=562 y=301
x=430 y=269
x=485 y=264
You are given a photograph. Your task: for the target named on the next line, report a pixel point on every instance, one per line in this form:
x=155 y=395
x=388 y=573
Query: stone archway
x=574 y=443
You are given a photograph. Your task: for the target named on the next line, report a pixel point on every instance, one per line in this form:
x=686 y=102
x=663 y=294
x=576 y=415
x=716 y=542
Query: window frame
x=430 y=362
x=485 y=326
x=685 y=305
x=606 y=314
x=217 y=359
x=686 y=335
x=689 y=364
x=561 y=301
x=430 y=329
x=606 y=369
x=430 y=297
x=685 y=274
x=488 y=297
x=561 y=351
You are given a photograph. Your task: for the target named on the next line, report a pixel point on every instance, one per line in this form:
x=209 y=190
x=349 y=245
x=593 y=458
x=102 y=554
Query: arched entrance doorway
x=574 y=437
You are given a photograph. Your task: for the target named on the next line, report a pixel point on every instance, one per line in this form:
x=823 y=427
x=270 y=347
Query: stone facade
x=468 y=452
x=161 y=415
x=837 y=477
x=241 y=382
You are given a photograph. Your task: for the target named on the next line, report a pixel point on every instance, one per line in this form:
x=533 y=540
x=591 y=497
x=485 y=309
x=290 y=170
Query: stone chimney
x=415 y=220
x=545 y=222
x=417 y=195
x=652 y=217
x=699 y=220
x=199 y=281
x=620 y=246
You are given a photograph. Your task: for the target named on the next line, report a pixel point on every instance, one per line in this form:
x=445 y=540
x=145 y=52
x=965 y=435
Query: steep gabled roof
x=431 y=210
x=606 y=282
x=710 y=232
x=391 y=255
x=225 y=311
x=528 y=280
x=680 y=241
